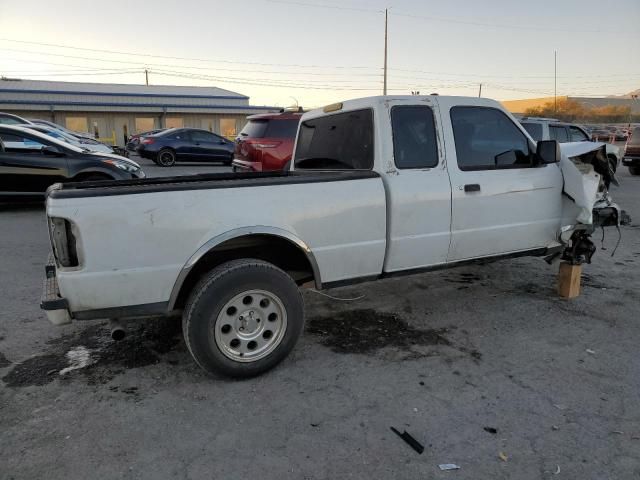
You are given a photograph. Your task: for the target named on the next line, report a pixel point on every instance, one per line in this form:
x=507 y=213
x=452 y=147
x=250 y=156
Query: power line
x=193 y=59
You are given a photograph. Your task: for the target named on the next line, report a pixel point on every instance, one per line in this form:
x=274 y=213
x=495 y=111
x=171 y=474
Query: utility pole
x=146 y=77
x=386 y=18
x=555 y=81
x=480 y=91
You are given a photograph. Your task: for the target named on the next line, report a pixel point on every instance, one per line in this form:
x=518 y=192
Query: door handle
x=472 y=187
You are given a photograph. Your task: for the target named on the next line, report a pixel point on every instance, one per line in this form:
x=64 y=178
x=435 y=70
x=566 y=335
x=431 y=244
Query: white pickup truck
x=378 y=186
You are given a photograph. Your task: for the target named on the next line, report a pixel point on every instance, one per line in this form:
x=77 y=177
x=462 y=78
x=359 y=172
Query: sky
x=315 y=52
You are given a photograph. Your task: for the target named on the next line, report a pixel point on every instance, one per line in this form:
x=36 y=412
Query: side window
x=200 y=136
x=534 y=129
x=487 y=139
x=558 y=133
x=414 y=137
x=14 y=142
x=577 y=135
x=342 y=141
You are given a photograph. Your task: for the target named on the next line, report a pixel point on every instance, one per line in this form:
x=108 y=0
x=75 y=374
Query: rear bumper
x=55 y=306
x=246 y=166
x=631 y=161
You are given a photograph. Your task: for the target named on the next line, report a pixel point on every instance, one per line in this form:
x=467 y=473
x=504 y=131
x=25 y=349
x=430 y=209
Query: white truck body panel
x=133 y=247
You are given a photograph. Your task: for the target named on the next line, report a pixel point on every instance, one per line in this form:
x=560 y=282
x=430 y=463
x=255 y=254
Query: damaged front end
x=587 y=205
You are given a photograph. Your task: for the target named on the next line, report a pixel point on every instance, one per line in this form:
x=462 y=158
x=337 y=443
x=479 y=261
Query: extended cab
x=379 y=186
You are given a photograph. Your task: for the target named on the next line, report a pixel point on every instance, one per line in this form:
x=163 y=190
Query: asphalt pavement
x=485 y=366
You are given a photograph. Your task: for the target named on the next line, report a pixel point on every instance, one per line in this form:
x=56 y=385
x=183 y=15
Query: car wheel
x=243 y=318
x=228 y=161
x=166 y=157
x=634 y=170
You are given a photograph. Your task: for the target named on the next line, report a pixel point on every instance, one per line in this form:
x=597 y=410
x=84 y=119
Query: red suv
x=266 y=142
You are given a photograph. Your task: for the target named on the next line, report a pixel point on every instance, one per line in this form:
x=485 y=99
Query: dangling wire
x=619 y=238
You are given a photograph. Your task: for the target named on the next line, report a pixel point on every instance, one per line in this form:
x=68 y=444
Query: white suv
x=553 y=129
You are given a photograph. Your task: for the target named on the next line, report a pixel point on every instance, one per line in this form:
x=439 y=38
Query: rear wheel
x=634 y=170
x=166 y=157
x=243 y=318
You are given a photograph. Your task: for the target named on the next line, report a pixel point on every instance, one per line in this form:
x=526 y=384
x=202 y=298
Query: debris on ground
x=412 y=442
x=503 y=456
x=589 y=351
x=491 y=430
x=557 y=472
x=448 y=466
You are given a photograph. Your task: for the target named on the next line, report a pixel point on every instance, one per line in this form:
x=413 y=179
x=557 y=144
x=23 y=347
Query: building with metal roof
x=114 y=111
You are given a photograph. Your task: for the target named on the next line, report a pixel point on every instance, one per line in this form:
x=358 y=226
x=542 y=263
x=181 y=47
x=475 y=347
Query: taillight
x=63 y=241
x=147 y=141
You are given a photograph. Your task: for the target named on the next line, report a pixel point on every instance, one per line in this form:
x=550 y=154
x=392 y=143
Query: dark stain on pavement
x=3 y=361
x=145 y=344
x=366 y=330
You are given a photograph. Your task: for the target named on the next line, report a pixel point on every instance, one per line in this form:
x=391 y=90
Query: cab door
x=417 y=185
x=502 y=200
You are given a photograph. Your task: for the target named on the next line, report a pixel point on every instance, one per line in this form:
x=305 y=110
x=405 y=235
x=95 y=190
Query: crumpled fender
x=584 y=165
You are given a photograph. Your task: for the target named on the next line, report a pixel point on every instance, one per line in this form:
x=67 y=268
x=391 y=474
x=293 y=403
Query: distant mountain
x=626 y=95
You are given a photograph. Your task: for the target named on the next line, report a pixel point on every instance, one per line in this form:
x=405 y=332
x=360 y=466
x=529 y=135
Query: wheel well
x=279 y=251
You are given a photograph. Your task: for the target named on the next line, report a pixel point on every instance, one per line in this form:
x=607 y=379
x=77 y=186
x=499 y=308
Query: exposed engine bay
x=587 y=174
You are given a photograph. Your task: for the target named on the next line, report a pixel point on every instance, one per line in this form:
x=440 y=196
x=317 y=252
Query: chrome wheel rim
x=250 y=326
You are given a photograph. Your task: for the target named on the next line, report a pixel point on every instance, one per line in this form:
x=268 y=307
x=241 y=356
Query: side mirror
x=548 y=151
x=52 y=151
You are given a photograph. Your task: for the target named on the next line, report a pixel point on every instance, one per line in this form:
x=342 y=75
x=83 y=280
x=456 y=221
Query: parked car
x=11 y=119
x=552 y=129
x=266 y=142
x=602 y=135
x=632 y=152
x=134 y=140
x=185 y=145
x=379 y=186
x=31 y=161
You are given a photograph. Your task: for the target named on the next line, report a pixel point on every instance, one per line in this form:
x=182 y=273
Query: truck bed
x=206 y=181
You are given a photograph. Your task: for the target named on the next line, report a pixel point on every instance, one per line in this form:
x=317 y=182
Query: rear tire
x=243 y=318
x=634 y=170
x=166 y=158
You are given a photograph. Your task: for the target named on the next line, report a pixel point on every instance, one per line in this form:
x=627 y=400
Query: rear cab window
x=414 y=137
x=487 y=139
x=340 y=141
